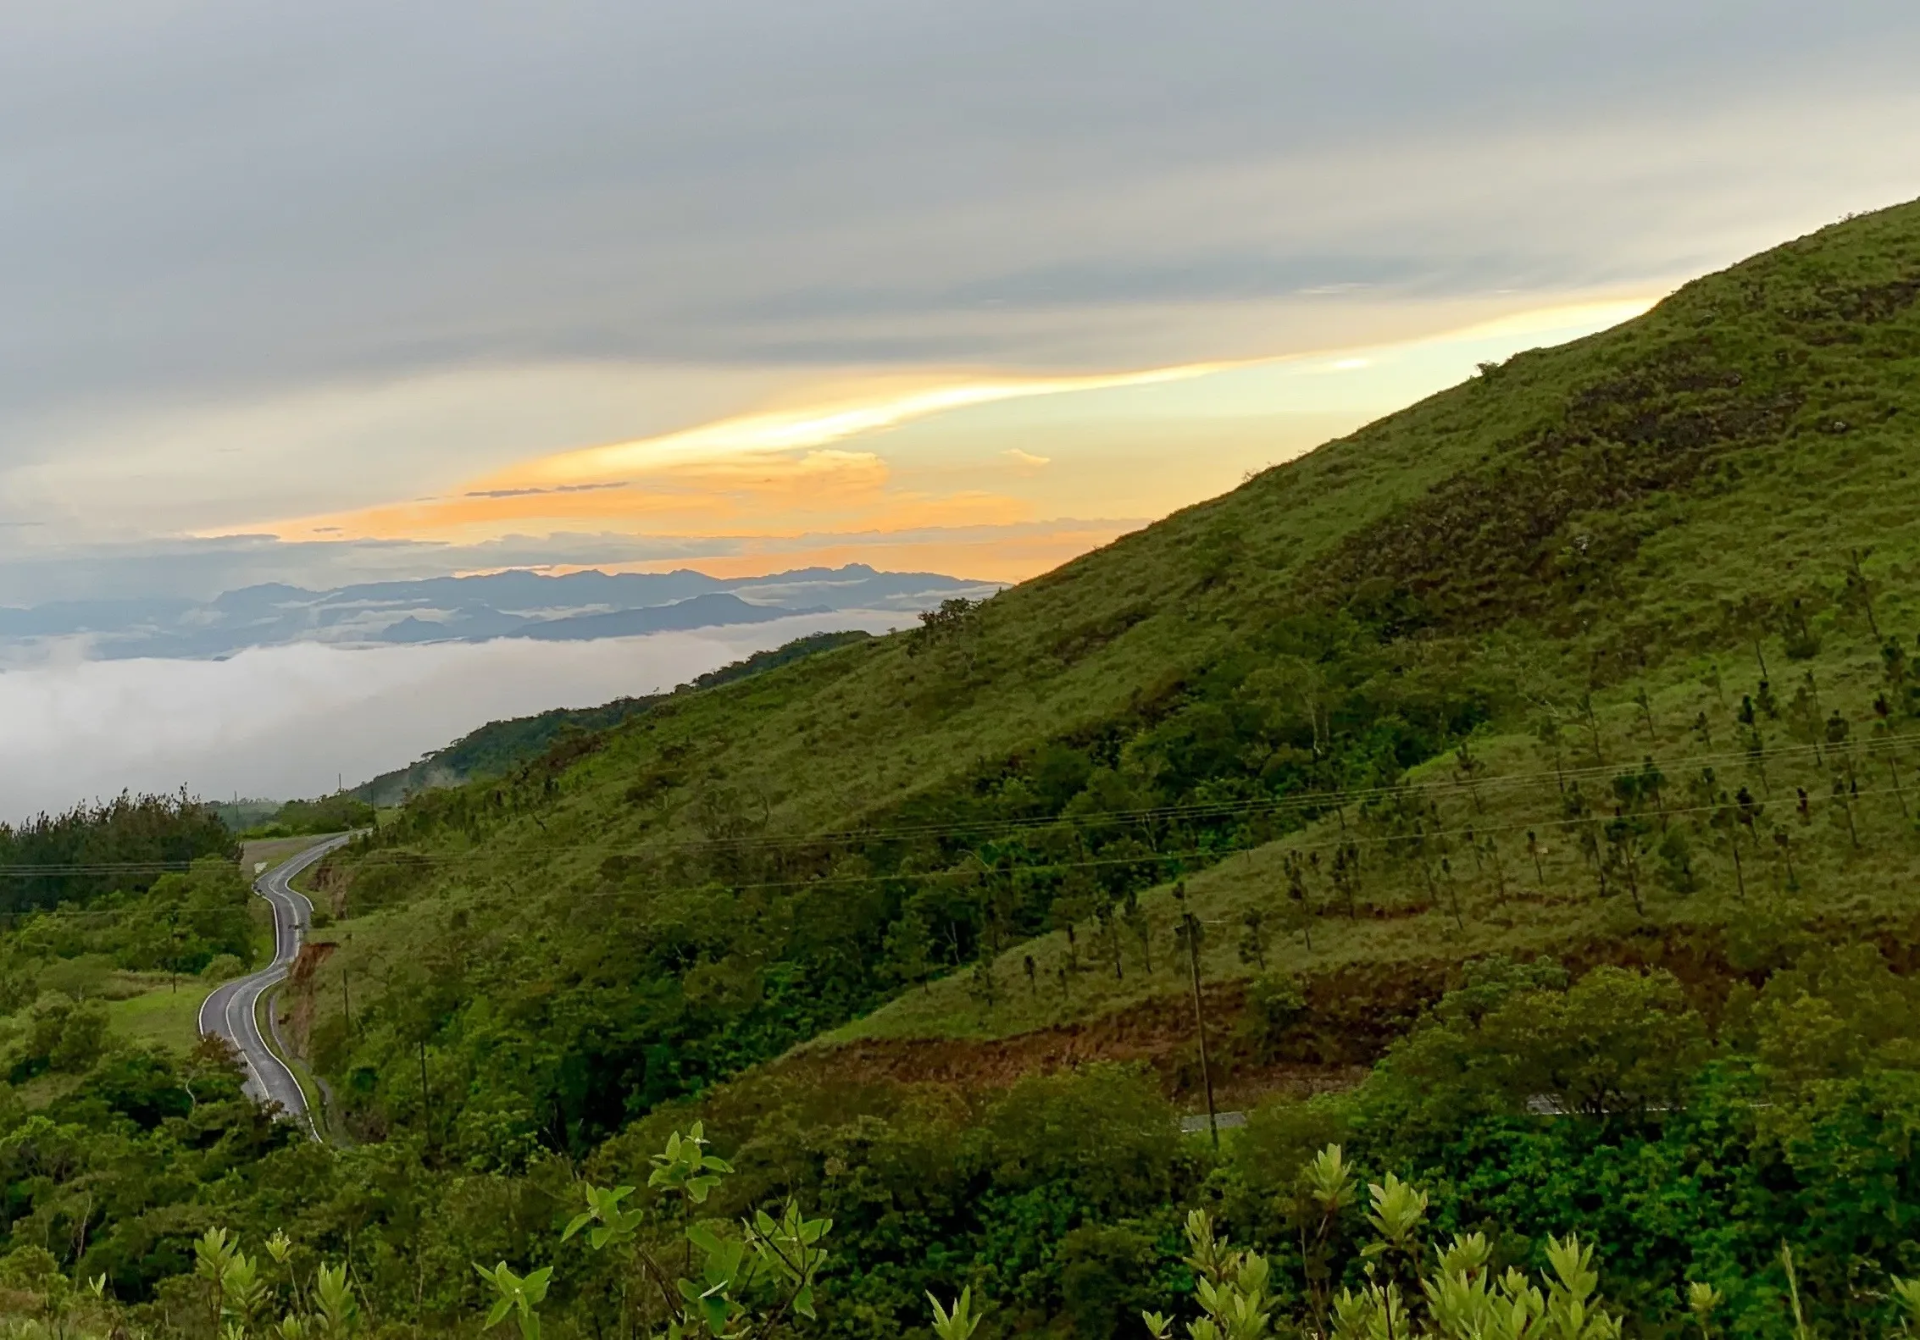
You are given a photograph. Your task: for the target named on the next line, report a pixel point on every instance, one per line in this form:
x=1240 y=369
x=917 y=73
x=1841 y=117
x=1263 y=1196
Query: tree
x=909 y=950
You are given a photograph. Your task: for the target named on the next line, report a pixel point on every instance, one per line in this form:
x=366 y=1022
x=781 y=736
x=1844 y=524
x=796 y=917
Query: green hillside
x=1290 y=667
x=499 y=747
x=1523 y=790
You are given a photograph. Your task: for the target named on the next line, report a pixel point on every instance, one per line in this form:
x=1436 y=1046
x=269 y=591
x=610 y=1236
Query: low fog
x=287 y=721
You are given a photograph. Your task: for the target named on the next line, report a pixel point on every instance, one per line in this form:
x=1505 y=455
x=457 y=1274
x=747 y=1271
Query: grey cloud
x=217 y=196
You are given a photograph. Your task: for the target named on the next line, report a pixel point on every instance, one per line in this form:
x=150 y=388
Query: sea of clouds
x=294 y=720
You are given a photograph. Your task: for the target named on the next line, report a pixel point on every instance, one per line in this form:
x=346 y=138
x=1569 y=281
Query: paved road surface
x=230 y=1010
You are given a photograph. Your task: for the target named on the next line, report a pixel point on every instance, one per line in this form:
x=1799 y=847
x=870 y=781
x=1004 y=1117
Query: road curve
x=232 y=1010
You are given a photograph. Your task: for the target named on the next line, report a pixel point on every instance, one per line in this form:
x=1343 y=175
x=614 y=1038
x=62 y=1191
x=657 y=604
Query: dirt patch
x=298 y=997
x=1346 y=1020
x=1349 y=1018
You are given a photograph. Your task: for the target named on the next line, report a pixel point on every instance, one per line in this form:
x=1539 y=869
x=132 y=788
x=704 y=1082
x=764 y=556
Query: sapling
x=1844 y=794
x=1469 y=767
x=1883 y=730
x=982 y=985
x=1453 y=891
x=1297 y=895
x=1859 y=591
x=1645 y=704
x=1499 y=868
x=751 y=1279
x=1136 y=918
x=1548 y=733
x=1346 y=876
x=1725 y=816
x=1784 y=842
x=1623 y=838
x=1253 y=938
x=1756 y=748
x=1592 y=723
x=1327 y=1189
x=1802 y=643
x=1804 y=717
x=1713 y=681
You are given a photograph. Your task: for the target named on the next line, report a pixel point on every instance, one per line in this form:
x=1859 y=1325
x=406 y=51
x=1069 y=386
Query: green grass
x=273 y=851
x=1607 y=517
x=160 y=1015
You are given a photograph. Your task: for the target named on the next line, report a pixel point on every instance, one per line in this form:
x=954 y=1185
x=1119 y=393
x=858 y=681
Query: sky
x=317 y=294
x=323 y=294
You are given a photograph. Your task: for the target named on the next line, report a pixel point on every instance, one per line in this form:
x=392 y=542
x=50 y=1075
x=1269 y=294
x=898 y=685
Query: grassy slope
x=160 y=1013
x=499 y=747
x=1606 y=513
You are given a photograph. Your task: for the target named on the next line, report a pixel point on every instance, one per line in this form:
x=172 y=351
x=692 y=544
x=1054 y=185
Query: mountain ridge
x=471 y=608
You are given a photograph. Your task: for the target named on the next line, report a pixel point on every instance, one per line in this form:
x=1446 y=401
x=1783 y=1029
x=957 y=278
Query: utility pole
x=1190 y=926
x=173 y=951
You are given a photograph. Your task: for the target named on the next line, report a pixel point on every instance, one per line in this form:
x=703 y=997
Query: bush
x=223 y=968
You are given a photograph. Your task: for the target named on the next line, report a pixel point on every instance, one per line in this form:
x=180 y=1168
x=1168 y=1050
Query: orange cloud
x=766 y=493
x=751 y=435
x=774 y=472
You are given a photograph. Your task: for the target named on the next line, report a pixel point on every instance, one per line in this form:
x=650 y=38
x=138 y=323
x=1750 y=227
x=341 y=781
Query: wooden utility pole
x=1190 y=925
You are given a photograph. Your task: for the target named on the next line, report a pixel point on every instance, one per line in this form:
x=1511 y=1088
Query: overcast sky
x=281 y=270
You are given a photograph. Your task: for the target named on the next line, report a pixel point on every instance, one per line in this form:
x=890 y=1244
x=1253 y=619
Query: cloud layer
x=291 y=720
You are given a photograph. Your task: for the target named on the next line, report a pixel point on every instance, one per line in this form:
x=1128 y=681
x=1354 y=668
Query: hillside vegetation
x=1365 y=645
x=1522 y=789
x=498 y=747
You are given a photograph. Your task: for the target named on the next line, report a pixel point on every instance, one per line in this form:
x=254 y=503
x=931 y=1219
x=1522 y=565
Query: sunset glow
x=999 y=477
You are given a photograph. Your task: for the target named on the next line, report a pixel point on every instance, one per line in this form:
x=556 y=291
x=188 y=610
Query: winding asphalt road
x=232 y=1010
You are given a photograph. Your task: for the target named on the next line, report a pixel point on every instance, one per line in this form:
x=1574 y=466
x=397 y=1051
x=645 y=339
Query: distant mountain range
x=576 y=607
